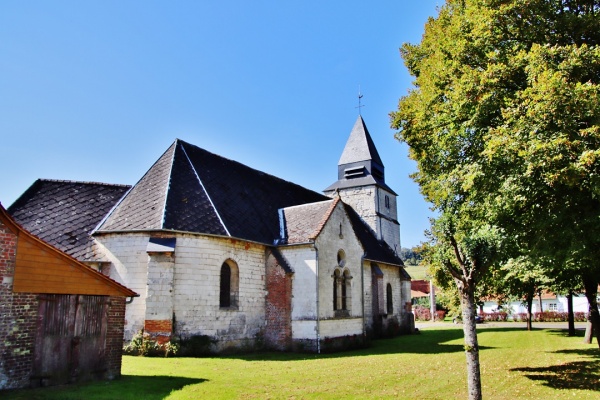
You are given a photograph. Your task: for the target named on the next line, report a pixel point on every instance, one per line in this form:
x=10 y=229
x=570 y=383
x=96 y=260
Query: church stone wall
x=390 y=230
x=197 y=285
x=129 y=266
x=304 y=284
x=370 y=200
x=329 y=243
x=391 y=275
x=332 y=328
x=362 y=199
x=194 y=287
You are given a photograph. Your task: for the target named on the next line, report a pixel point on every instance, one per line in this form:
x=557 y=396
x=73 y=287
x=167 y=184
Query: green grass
x=542 y=364
x=417 y=272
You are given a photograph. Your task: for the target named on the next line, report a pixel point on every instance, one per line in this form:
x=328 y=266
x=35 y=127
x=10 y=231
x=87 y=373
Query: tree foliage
x=504 y=124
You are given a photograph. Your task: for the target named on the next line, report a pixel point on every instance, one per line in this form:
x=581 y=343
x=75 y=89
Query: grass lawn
x=417 y=272
x=542 y=364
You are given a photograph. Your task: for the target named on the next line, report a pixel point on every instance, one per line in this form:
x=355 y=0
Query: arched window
x=389 y=299
x=346 y=291
x=342 y=293
x=228 y=293
x=336 y=290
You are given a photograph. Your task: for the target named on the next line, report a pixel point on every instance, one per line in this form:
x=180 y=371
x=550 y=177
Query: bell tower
x=361 y=184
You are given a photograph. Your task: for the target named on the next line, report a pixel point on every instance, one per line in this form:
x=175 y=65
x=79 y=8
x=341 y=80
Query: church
x=221 y=250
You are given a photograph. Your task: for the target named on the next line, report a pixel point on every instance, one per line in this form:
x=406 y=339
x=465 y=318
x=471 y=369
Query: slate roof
x=360 y=155
x=360 y=146
x=192 y=190
x=64 y=213
x=376 y=250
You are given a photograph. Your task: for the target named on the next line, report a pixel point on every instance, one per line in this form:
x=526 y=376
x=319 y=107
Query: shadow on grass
x=583 y=375
x=426 y=342
x=591 y=352
x=125 y=388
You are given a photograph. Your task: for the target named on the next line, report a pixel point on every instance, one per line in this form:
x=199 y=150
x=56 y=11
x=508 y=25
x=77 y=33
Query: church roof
x=190 y=189
x=303 y=224
x=376 y=250
x=360 y=163
x=64 y=213
x=360 y=146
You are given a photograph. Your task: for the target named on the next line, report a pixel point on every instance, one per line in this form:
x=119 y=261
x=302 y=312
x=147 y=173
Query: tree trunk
x=589 y=331
x=529 y=301
x=467 y=300
x=571 y=314
x=590 y=283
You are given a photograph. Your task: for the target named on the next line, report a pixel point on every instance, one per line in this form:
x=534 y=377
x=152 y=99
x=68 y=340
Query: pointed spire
x=360 y=164
x=360 y=146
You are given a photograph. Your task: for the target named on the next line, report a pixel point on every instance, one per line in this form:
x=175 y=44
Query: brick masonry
x=278 y=328
x=159 y=330
x=18 y=312
x=114 y=336
x=18 y=322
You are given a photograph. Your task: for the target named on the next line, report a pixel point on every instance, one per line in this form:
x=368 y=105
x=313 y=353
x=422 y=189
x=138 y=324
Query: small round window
x=341 y=258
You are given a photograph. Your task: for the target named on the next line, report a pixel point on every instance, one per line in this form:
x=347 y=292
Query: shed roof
x=42 y=268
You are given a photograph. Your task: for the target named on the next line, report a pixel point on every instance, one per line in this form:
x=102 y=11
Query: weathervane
x=360 y=96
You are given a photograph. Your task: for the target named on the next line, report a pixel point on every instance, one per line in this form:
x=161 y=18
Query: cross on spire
x=360 y=105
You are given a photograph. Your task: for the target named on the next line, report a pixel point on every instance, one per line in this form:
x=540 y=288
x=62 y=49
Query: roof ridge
x=168 y=183
x=82 y=182
x=306 y=204
x=325 y=218
x=249 y=167
x=203 y=188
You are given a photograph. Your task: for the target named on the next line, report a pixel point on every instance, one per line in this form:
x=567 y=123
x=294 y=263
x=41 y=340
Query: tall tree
x=503 y=122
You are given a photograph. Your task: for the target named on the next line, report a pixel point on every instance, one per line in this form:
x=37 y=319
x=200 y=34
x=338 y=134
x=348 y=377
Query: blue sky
x=98 y=90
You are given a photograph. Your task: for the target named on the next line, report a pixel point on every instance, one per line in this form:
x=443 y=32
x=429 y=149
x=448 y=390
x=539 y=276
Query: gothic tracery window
x=342 y=293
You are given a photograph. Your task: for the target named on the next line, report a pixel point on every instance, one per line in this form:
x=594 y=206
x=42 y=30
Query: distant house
x=60 y=320
x=550 y=302
x=420 y=288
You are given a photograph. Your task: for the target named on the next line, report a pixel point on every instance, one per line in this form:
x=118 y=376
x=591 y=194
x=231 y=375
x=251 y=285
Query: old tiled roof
x=304 y=222
x=190 y=189
x=64 y=213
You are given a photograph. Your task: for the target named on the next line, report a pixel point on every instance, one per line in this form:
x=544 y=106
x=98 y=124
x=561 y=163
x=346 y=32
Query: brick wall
x=114 y=337
x=278 y=330
x=18 y=312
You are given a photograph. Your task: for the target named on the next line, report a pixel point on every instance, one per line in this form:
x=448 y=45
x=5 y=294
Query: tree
x=411 y=256
x=523 y=278
x=503 y=122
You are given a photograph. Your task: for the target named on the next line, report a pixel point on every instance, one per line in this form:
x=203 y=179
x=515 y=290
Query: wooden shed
x=60 y=320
